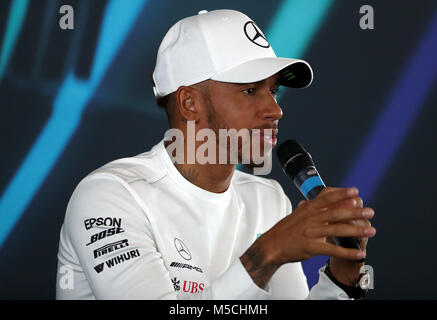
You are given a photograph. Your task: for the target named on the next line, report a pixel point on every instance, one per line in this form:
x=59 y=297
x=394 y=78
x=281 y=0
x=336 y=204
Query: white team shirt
x=137 y=229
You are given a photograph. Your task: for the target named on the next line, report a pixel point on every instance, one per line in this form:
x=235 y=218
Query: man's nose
x=271 y=109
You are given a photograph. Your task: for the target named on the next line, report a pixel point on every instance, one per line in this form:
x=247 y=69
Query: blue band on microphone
x=310 y=183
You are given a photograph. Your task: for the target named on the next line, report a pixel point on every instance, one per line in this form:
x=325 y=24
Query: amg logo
x=104 y=234
x=122 y=258
x=108 y=222
x=110 y=247
x=184 y=265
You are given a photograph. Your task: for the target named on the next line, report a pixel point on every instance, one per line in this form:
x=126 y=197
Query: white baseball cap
x=222 y=45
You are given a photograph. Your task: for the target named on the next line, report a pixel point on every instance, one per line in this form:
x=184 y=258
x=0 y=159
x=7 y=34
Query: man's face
x=245 y=106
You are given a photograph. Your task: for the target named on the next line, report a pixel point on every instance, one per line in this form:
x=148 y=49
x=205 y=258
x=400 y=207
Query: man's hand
x=348 y=271
x=308 y=231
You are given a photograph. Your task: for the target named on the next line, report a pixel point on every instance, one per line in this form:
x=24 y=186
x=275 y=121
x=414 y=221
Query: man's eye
x=274 y=91
x=249 y=91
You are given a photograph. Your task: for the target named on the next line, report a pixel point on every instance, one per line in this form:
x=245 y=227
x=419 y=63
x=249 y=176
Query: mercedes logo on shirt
x=254 y=34
x=182 y=249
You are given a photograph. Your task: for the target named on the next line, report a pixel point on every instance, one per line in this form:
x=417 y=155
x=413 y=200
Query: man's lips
x=269 y=136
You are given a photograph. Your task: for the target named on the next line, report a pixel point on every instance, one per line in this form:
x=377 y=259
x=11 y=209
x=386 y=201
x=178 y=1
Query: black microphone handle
x=299 y=180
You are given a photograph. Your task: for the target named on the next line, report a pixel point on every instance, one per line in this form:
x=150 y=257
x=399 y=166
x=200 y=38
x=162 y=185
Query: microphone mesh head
x=293 y=157
x=289 y=149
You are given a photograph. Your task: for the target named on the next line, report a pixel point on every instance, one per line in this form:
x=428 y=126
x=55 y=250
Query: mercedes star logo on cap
x=254 y=34
x=182 y=249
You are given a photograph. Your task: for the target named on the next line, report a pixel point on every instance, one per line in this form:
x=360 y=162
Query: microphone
x=298 y=164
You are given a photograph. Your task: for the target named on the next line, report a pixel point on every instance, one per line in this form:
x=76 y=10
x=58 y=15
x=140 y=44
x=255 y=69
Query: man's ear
x=188 y=102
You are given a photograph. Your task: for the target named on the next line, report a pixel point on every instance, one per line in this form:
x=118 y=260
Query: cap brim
x=293 y=73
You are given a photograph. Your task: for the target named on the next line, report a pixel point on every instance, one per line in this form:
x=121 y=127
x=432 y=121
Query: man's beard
x=216 y=122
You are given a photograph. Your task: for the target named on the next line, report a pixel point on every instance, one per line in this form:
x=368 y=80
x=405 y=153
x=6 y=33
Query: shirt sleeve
x=234 y=284
x=136 y=269
x=325 y=289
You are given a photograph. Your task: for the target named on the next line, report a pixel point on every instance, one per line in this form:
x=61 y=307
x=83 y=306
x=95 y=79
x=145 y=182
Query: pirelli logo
x=110 y=248
x=185 y=266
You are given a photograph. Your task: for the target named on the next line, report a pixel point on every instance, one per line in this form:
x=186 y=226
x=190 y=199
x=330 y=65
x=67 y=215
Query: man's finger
x=348 y=203
x=329 y=189
x=361 y=222
x=301 y=203
x=340 y=230
x=325 y=199
x=333 y=250
x=344 y=214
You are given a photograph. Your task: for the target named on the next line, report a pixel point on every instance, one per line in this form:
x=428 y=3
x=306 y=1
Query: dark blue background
x=356 y=74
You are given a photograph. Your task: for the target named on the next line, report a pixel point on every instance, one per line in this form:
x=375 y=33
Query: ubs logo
x=253 y=33
x=182 y=249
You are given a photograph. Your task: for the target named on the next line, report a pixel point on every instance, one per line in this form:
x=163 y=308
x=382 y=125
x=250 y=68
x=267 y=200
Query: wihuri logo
x=253 y=147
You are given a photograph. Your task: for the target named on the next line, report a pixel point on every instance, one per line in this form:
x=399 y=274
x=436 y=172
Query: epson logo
x=101 y=221
x=186 y=266
x=110 y=247
x=105 y=233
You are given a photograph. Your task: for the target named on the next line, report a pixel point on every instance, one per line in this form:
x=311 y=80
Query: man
x=150 y=227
